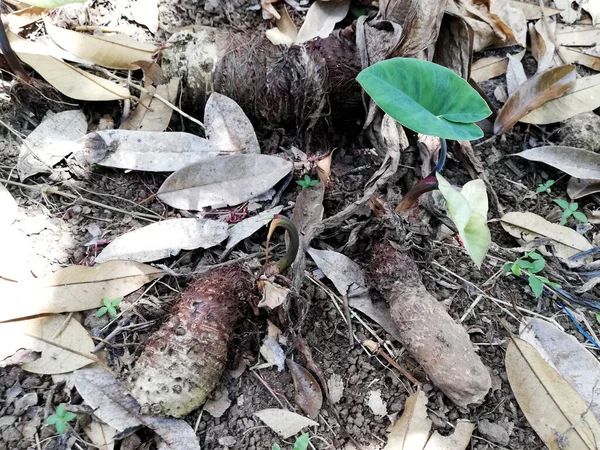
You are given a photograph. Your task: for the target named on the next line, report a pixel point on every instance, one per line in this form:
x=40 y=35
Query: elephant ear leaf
x=425 y=97
x=468 y=210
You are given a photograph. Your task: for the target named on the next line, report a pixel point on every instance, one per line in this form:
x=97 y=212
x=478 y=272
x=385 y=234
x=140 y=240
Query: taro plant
x=431 y=99
x=530 y=265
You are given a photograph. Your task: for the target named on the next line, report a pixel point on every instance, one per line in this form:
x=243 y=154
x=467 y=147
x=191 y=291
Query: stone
x=582 y=131
x=493 y=432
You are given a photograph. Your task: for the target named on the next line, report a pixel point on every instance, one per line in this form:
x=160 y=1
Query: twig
x=348 y=320
x=264 y=383
x=62 y=327
x=403 y=371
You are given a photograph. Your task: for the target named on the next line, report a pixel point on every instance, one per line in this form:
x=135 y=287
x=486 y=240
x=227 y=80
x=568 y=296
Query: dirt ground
x=61 y=230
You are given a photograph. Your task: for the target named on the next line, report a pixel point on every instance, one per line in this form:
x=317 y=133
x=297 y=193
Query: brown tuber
x=440 y=345
x=183 y=361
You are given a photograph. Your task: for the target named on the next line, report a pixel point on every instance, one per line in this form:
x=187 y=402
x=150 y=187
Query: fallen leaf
x=164 y=239
x=345 y=274
x=67 y=79
x=335 y=387
x=115 y=51
x=542 y=47
x=50 y=3
x=568 y=357
x=113 y=405
x=555 y=410
x=508 y=23
x=532 y=94
x=458 y=440
x=515 y=73
x=152 y=114
x=249 y=226
x=583 y=97
x=454 y=46
x=376 y=403
x=64 y=352
x=145 y=12
x=271 y=350
x=308 y=392
x=577 y=35
x=228 y=128
x=532 y=11
x=576 y=162
x=146 y=150
x=416 y=22
x=226 y=180
x=572 y=56
x=20 y=19
x=577 y=188
x=308 y=213
x=468 y=210
x=324 y=167
x=569 y=13
x=486 y=68
x=8 y=206
x=50 y=142
x=273 y=294
x=285 y=31
x=218 y=403
x=283 y=422
x=101 y=435
x=378 y=311
x=529 y=226
x=321 y=18
x=74 y=288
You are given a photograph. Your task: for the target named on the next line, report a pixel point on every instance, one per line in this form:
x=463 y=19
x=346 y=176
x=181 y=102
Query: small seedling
x=60 y=418
x=570 y=209
x=307 y=182
x=300 y=444
x=545 y=187
x=110 y=307
x=531 y=264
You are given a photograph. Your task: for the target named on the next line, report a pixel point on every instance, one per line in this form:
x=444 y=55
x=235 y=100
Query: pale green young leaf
x=302 y=442
x=573 y=206
x=562 y=203
x=107 y=302
x=276 y=447
x=101 y=311
x=61 y=426
x=580 y=216
x=536 y=285
x=516 y=270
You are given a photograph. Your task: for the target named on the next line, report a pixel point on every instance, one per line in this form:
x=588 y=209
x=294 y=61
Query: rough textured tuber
x=183 y=361
x=431 y=336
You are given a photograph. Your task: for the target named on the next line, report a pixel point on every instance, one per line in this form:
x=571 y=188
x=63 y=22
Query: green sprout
x=307 y=182
x=300 y=444
x=110 y=307
x=545 y=187
x=570 y=209
x=531 y=264
x=60 y=419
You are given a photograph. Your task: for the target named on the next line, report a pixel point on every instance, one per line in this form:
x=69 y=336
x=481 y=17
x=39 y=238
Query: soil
x=61 y=233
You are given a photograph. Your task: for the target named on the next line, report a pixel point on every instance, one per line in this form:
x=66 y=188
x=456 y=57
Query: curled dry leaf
x=164 y=239
x=486 y=68
x=345 y=274
x=532 y=11
x=146 y=150
x=228 y=128
x=271 y=350
x=529 y=226
x=583 y=97
x=515 y=73
x=285 y=31
x=574 y=161
x=273 y=294
x=577 y=188
x=151 y=114
x=536 y=91
x=568 y=357
x=542 y=46
x=554 y=409
x=50 y=142
x=321 y=18
x=454 y=46
x=283 y=422
x=572 y=56
x=19 y=19
x=74 y=288
x=65 y=345
x=67 y=79
x=308 y=392
x=115 y=51
x=226 y=180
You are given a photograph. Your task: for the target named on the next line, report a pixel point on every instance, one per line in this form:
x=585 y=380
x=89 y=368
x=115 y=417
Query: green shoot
x=570 y=209
x=545 y=187
x=307 y=182
x=300 y=444
x=531 y=264
x=110 y=307
x=60 y=419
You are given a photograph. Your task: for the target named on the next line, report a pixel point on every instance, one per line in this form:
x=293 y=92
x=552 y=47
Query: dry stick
x=44 y=189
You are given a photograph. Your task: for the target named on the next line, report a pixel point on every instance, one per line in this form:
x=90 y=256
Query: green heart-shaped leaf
x=468 y=210
x=425 y=97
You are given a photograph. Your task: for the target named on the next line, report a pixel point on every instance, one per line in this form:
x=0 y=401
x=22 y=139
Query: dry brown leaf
x=576 y=162
x=583 y=97
x=577 y=188
x=228 y=128
x=268 y=10
x=74 y=288
x=65 y=345
x=542 y=47
x=508 y=23
x=67 y=79
x=19 y=19
x=321 y=18
x=454 y=46
x=532 y=11
x=115 y=51
x=486 y=68
x=102 y=435
x=308 y=392
x=573 y=56
x=324 y=167
x=284 y=32
x=577 y=35
x=552 y=407
x=529 y=226
x=283 y=422
x=151 y=114
x=536 y=91
x=515 y=73
x=419 y=20
x=273 y=294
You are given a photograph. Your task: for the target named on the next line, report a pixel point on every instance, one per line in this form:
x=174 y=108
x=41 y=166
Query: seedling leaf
x=101 y=311
x=536 y=285
x=302 y=442
x=580 y=216
x=425 y=97
x=516 y=270
x=562 y=203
